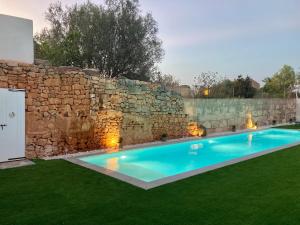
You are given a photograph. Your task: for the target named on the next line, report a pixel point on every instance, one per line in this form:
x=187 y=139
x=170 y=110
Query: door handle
x=2 y=126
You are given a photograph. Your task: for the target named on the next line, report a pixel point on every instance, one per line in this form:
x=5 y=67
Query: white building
x=16 y=39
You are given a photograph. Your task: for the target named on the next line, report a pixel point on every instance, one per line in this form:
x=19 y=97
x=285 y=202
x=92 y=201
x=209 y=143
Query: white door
x=12 y=124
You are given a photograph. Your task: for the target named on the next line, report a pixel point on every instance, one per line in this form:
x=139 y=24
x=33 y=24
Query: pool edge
x=149 y=185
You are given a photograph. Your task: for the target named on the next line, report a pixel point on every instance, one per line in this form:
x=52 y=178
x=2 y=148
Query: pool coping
x=170 y=179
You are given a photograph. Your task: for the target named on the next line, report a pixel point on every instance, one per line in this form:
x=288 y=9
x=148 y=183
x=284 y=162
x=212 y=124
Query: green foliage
x=224 y=89
x=292 y=126
x=243 y=87
x=281 y=83
x=114 y=38
x=219 y=87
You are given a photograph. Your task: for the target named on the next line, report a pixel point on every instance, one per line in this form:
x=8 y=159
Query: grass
x=261 y=191
x=292 y=126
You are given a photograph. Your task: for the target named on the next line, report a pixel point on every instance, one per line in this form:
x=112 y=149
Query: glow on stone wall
x=194 y=130
x=112 y=137
x=249 y=122
x=108 y=128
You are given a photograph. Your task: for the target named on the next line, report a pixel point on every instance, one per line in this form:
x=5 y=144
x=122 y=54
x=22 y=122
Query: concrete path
x=16 y=163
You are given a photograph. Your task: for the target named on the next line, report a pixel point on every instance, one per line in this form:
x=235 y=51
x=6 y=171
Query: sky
x=231 y=37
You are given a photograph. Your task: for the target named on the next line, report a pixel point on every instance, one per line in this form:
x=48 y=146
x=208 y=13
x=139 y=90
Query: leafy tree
x=249 y=90
x=281 y=83
x=37 y=50
x=243 y=87
x=212 y=85
x=114 y=38
x=204 y=83
x=224 y=89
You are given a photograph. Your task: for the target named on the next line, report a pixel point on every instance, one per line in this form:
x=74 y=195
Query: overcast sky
x=252 y=37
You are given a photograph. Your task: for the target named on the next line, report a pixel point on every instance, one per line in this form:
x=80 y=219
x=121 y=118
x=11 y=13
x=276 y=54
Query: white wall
x=16 y=39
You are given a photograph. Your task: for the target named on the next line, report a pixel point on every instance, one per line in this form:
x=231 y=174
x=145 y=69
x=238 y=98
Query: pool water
x=154 y=163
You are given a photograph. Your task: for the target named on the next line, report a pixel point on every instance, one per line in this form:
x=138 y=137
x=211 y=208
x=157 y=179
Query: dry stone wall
x=148 y=111
x=219 y=115
x=68 y=110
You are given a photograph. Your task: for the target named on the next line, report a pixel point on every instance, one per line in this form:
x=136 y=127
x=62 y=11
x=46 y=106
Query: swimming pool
x=153 y=166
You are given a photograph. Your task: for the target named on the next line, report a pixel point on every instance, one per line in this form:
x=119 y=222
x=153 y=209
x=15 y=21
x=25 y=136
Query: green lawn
x=292 y=126
x=261 y=191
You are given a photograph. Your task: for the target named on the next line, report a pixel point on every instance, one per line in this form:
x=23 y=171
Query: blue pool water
x=153 y=163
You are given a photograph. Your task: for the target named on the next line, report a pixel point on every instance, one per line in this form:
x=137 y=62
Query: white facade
x=16 y=39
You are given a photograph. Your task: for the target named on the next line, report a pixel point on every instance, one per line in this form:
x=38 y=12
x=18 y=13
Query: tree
x=249 y=90
x=114 y=38
x=210 y=84
x=243 y=87
x=281 y=83
x=204 y=83
x=224 y=89
x=239 y=86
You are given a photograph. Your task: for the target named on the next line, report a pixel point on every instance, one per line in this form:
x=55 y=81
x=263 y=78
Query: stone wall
x=221 y=114
x=140 y=112
x=68 y=110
